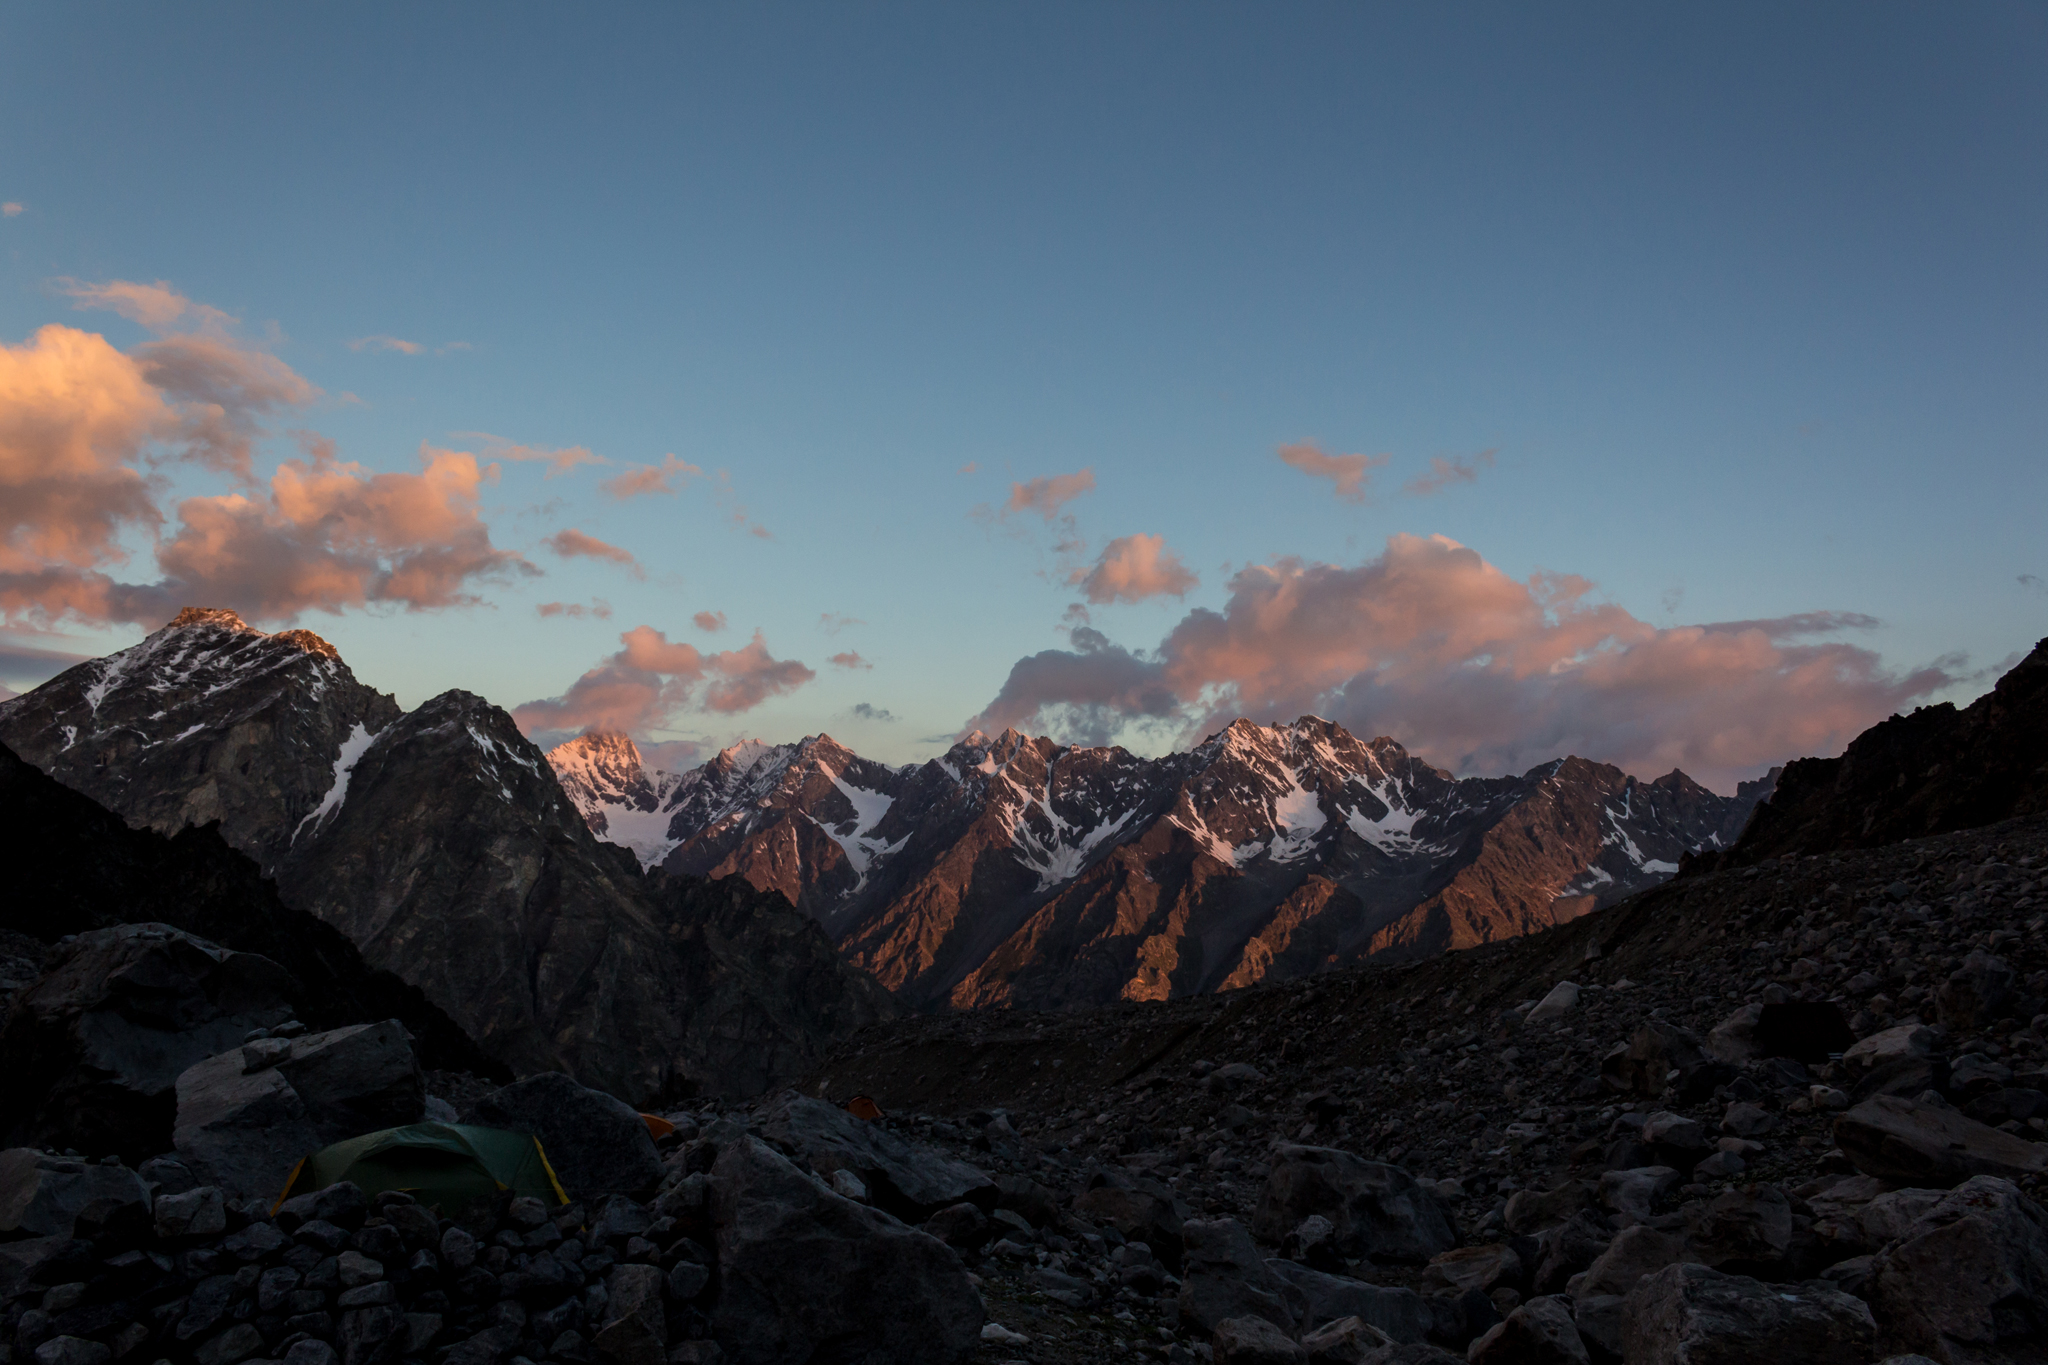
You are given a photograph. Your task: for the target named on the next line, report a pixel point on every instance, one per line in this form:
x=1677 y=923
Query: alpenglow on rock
x=1017 y=871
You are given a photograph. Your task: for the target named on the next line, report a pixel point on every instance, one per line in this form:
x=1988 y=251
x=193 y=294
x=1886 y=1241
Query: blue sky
x=1746 y=306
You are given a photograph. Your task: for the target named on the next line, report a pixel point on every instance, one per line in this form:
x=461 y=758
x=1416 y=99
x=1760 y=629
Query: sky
x=1660 y=386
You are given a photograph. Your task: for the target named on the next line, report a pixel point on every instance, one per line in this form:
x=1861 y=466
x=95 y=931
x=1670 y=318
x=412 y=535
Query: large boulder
x=245 y=1117
x=1635 y=1252
x=910 y=1181
x=1141 y=1210
x=1911 y=1143
x=1969 y=1279
x=1539 y=1332
x=1691 y=1315
x=1656 y=1055
x=1375 y=1210
x=1223 y=1276
x=1254 y=1341
x=807 y=1275
x=93 y=1050
x=42 y=1196
x=1316 y=1298
x=1975 y=993
x=596 y=1144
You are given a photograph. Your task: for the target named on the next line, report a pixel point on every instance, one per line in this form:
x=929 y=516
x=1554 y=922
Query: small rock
x=1254 y=1341
x=1540 y=1332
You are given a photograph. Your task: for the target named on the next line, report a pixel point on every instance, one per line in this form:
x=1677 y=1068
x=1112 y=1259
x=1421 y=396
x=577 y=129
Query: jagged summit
x=1013 y=869
x=210 y=616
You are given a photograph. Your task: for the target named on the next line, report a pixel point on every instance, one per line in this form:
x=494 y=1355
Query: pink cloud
x=384 y=343
x=832 y=622
x=709 y=621
x=331 y=535
x=159 y=306
x=1133 y=568
x=849 y=660
x=558 y=459
x=1444 y=472
x=1476 y=671
x=598 y=607
x=75 y=413
x=571 y=543
x=1046 y=496
x=641 y=480
x=10 y=209
x=1349 y=474
x=652 y=678
x=220 y=388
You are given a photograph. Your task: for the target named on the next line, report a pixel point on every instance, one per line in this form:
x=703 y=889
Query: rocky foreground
x=1791 y=1113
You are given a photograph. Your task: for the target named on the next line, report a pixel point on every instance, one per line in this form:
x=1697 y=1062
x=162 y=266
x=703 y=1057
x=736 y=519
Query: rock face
x=440 y=843
x=1015 y=871
x=808 y=1275
x=1375 y=1210
x=42 y=1195
x=245 y=1117
x=93 y=1050
x=1968 y=1279
x=1934 y=771
x=596 y=1144
x=1690 y=1315
x=74 y=867
x=1923 y=1144
x=909 y=1181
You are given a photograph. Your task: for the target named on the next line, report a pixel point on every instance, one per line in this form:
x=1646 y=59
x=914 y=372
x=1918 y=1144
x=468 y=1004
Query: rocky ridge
x=1014 y=871
x=440 y=842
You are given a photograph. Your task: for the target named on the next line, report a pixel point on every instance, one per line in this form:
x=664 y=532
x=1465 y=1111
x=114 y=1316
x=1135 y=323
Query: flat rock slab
x=1902 y=1140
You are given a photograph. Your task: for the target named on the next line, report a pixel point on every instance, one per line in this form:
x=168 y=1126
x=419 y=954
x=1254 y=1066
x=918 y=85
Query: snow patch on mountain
x=353 y=748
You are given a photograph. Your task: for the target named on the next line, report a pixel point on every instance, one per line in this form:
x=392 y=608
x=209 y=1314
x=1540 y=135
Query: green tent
x=444 y=1164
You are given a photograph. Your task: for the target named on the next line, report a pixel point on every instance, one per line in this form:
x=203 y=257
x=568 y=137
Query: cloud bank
x=1474 y=670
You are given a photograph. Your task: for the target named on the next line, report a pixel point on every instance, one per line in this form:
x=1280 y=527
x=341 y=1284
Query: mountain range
x=1015 y=871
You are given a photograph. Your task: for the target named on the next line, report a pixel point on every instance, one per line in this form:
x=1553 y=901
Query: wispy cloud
x=849 y=660
x=864 y=711
x=10 y=209
x=598 y=608
x=558 y=459
x=571 y=543
x=1349 y=475
x=384 y=343
x=1048 y=495
x=832 y=622
x=710 y=622
x=2032 y=582
x=641 y=480
x=1445 y=471
x=159 y=306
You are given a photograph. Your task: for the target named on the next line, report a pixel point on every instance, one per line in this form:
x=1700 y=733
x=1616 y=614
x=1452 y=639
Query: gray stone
x=1347 y=1341
x=1377 y=1210
x=635 y=1331
x=1316 y=1299
x=1975 y=993
x=1559 y=1001
x=1539 y=1332
x=370 y=1336
x=1899 y=1042
x=1223 y=1276
x=200 y=1212
x=1692 y=1315
x=1647 y=1062
x=1968 y=1280
x=1634 y=1253
x=1468 y=1268
x=803 y=1271
x=1745 y=1120
x=94 y=1048
x=1253 y=1341
x=42 y=1196
x=245 y=1130
x=72 y=1351
x=237 y=1343
x=1912 y=1143
x=1748 y=1231
x=1530 y=1211
x=686 y=1280
x=1632 y=1195
x=1733 y=1040
x=597 y=1145
x=1141 y=1211
x=906 y=1179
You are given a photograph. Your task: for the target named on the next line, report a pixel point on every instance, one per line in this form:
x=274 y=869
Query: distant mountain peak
x=210 y=616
